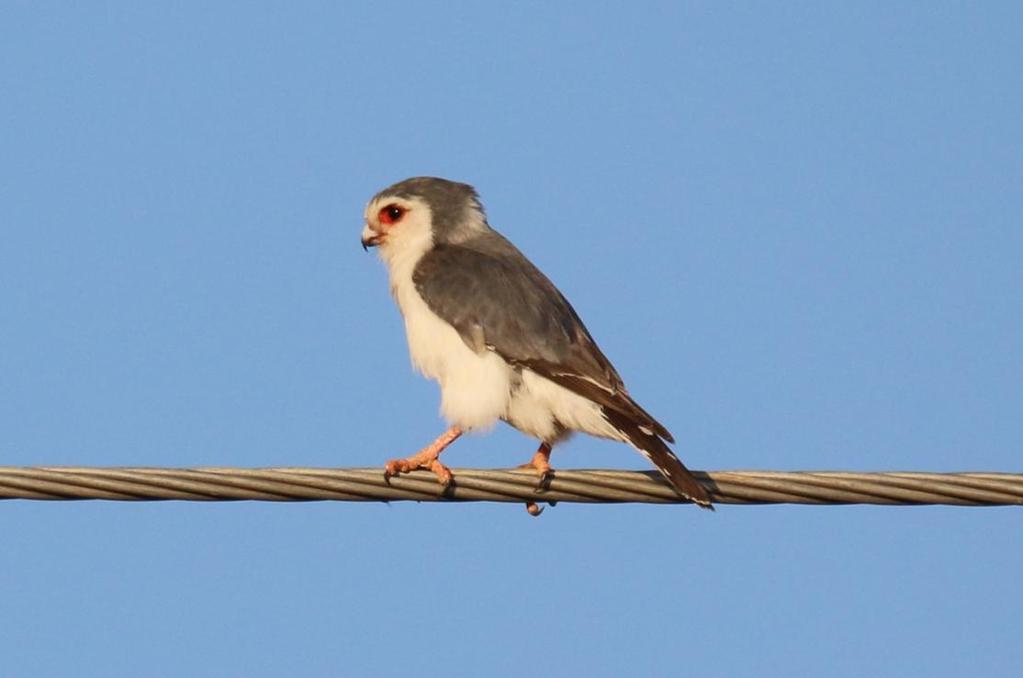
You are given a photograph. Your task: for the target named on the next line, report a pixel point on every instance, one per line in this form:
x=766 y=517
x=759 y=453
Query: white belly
x=475 y=388
x=547 y=411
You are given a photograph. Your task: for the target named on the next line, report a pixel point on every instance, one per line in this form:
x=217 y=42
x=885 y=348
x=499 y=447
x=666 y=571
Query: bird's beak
x=370 y=238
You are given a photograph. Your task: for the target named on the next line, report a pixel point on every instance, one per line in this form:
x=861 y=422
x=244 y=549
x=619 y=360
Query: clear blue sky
x=797 y=229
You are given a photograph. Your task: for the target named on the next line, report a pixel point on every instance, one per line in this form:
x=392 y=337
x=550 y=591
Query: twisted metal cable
x=512 y=485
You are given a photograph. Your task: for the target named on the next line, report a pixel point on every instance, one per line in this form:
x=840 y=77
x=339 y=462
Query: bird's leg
x=426 y=458
x=541 y=461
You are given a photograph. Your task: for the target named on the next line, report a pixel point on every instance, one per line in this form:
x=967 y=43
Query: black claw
x=534 y=509
x=449 y=489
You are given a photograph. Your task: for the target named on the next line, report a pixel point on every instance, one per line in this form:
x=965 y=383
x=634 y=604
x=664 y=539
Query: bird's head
x=419 y=213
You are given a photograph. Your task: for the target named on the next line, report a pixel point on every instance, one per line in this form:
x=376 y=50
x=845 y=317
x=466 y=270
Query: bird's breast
x=475 y=387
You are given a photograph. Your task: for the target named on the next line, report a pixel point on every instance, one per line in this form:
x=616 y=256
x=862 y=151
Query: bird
x=501 y=340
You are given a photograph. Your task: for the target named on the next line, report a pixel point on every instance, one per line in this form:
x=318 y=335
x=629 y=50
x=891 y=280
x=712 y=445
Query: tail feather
x=661 y=456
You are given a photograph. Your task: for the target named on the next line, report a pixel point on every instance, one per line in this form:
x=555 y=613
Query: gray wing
x=498 y=300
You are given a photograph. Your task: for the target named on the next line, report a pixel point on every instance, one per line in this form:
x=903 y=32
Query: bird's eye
x=391 y=214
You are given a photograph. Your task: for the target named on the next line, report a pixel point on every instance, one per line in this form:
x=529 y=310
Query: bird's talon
x=396 y=467
x=426 y=458
x=442 y=472
x=541 y=464
x=534 y=509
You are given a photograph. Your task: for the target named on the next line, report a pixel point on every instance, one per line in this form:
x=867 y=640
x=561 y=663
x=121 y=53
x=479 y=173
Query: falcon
x=496 y=334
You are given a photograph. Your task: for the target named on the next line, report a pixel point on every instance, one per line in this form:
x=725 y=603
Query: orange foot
x=427 y=458
x=541 y=462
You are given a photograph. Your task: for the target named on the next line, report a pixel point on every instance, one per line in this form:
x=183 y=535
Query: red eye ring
x=391 y=214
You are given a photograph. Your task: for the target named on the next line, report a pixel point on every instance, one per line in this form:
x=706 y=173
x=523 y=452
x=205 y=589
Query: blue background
x=795 y=228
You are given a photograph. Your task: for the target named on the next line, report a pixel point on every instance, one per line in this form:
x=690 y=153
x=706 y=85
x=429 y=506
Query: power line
x=513 y=485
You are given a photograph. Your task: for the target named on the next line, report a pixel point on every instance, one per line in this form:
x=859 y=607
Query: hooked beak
x=370 y=238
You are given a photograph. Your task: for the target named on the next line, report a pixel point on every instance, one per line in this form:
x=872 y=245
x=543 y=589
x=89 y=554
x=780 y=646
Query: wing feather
x=486 y=286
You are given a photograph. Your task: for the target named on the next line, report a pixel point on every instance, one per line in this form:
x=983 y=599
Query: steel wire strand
x=509 y=485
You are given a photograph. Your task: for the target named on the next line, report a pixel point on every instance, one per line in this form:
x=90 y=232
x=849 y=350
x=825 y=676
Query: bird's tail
x=661 y=456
